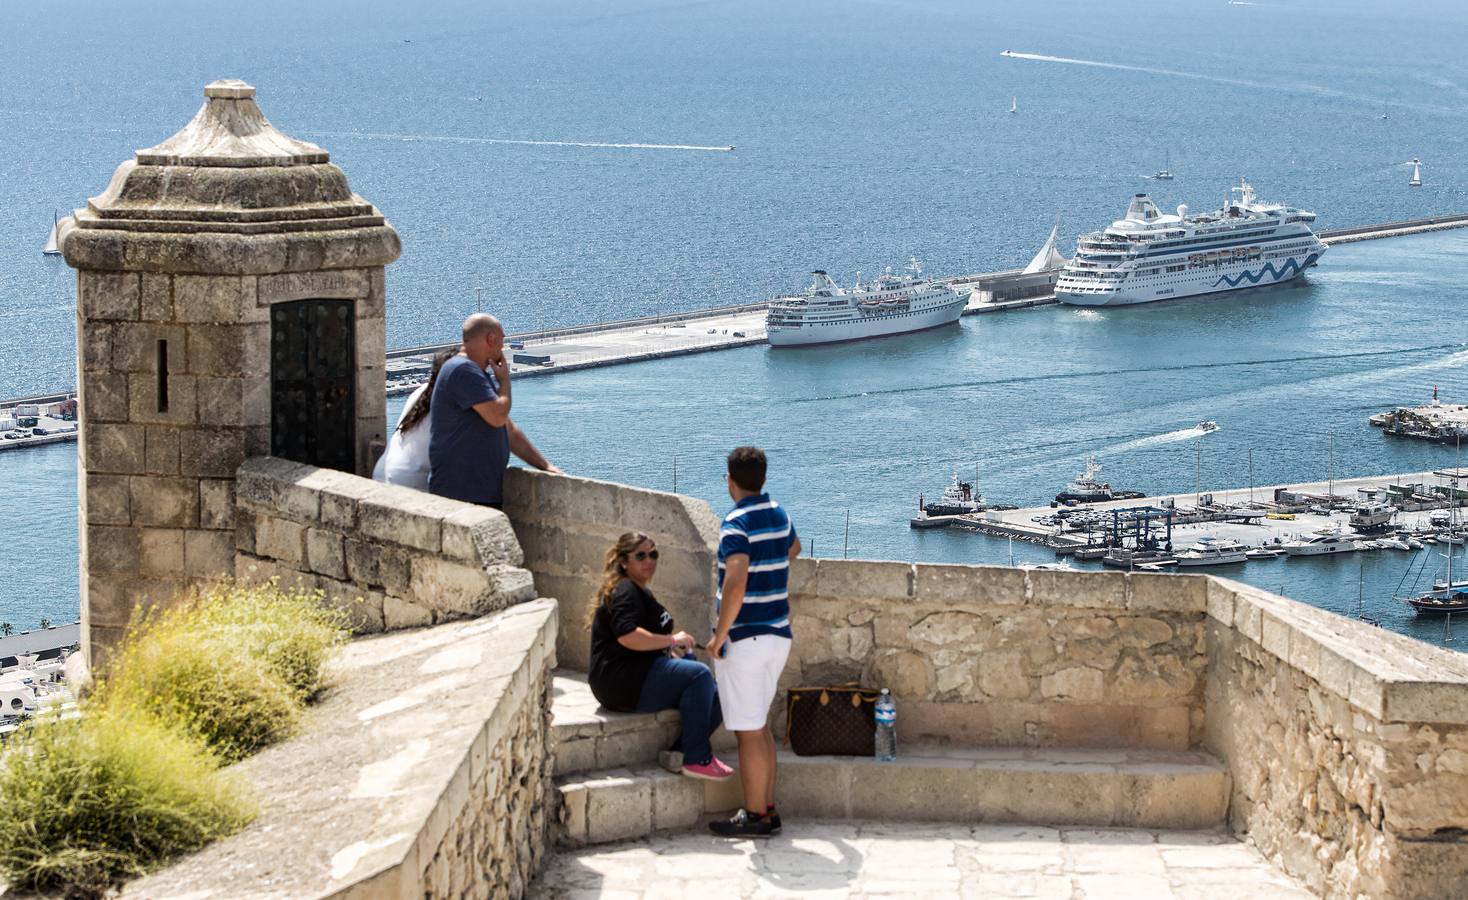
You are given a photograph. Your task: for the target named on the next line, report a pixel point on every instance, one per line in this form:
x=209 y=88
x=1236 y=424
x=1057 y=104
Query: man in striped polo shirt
x=752 y=639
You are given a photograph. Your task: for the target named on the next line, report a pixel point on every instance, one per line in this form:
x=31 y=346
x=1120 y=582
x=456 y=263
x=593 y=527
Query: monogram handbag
x=831 y=721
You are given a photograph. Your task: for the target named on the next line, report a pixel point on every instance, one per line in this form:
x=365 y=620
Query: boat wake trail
x=1150 y=70
x=455 y=139
x=1182 y=434
x=1448 y=361
x=1296 y=87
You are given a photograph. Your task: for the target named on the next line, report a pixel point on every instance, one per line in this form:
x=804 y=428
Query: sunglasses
x=640 y=555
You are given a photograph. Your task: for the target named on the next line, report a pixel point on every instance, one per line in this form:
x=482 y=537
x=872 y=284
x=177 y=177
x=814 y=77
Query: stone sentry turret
x=229 y=304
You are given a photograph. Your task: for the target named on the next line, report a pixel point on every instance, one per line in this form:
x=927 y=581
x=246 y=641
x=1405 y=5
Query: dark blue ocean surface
x=864 y=133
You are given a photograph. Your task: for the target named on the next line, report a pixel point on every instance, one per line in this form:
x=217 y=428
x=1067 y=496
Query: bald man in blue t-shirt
x=470 y=434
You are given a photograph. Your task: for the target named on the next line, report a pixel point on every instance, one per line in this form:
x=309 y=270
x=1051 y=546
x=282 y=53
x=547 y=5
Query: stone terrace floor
x=874 y=859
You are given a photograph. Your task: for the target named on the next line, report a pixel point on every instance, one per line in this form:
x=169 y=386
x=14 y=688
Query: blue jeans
x=687 y=686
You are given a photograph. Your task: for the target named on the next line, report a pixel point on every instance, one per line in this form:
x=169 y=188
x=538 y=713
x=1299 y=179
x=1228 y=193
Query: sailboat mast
x=1330 y=469
x=1452 y=512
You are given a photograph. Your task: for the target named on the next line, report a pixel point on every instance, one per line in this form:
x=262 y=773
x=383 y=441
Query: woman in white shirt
x=405 y=461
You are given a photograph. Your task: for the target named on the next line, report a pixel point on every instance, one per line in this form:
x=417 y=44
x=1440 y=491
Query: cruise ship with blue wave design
x=1149 y=256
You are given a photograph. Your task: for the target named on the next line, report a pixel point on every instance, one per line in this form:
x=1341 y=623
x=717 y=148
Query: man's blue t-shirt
x=466 y=455
x=759 y=528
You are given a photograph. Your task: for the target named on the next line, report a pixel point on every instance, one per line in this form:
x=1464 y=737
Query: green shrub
x=89 y=802
x=292 y=630
x=230 y=664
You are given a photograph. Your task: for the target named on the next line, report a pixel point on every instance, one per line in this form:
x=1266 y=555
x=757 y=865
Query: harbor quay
x=642 y=340
x=1257 y=516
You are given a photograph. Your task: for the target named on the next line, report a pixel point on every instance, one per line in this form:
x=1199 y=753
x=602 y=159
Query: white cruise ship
x=892 y=304
x=1151 y=256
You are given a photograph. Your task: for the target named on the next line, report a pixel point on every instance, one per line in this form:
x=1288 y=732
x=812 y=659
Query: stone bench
x=609 y=788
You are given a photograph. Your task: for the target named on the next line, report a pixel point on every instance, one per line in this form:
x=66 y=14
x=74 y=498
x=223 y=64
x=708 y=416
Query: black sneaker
x=773 y=817
x=743 y=824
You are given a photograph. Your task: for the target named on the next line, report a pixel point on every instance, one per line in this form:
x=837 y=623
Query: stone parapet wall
x=391 y=556
x=985 y=655
x=566 y=525
x=424 y=773
x=1348 y=746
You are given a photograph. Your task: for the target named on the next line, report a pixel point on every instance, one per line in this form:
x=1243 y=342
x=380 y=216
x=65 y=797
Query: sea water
x=862 y=135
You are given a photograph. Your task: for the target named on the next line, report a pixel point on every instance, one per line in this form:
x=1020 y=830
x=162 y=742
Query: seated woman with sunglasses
x=636 y=657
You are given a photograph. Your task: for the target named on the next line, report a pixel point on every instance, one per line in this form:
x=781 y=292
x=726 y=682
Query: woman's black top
x=617 y=673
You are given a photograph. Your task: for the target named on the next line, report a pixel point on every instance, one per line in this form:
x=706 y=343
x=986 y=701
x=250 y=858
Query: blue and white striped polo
x=760 y=529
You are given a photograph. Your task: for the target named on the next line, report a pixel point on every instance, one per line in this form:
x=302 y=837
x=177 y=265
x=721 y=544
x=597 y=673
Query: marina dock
x=541 y=353
x=1252 y=516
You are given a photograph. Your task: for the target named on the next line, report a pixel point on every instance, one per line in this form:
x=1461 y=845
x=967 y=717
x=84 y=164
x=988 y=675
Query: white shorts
x=748 y=676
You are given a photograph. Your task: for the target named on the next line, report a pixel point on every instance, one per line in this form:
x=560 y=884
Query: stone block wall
x=495 y=842
x=1348 y=746
x=997 y=656
x=391 y=556
x=566 y=525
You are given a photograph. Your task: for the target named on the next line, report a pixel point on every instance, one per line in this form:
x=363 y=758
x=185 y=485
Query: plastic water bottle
x=886 y=727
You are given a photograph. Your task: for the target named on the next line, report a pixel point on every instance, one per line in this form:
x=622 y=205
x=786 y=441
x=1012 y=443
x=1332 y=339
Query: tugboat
x=958 y=499
x=1086 y=489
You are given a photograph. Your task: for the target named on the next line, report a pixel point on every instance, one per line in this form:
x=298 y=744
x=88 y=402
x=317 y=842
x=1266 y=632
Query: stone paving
x=876 y=859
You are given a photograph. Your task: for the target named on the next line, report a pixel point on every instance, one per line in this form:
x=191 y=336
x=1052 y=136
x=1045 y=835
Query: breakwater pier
x=679 y=334
x=543 y=352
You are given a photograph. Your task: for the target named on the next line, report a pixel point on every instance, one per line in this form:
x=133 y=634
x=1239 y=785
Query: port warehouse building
x=1002 y=287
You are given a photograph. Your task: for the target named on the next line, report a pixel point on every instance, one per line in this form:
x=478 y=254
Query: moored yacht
x=892 y=304
x=1212 y=551
x=1321 y=543
x=1148 y=255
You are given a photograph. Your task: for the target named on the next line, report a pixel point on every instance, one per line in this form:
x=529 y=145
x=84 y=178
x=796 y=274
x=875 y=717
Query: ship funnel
x=1142 y=209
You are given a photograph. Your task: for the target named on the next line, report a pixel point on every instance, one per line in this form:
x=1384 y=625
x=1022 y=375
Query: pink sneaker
x=713 y=770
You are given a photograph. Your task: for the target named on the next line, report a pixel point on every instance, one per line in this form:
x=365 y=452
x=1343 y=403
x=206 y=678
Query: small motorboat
x=1414 y=543
x=1207 y=425
x=1262 y=553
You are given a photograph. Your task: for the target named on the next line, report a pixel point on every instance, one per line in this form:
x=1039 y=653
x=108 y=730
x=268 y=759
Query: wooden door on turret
x=313 y=378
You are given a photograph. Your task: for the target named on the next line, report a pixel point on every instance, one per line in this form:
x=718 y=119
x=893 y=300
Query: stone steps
x=608 y=786
x=589 y=738
x=1100 y=788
